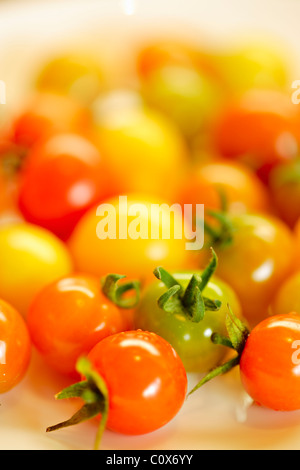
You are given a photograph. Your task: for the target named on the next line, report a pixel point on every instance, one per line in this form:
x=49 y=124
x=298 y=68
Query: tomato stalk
x=237 y=337
x=223 y=234
x=115 y=292
x=94 y=393
x=189 y=302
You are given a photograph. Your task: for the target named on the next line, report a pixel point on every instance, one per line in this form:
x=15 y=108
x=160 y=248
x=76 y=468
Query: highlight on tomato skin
x=15 y=347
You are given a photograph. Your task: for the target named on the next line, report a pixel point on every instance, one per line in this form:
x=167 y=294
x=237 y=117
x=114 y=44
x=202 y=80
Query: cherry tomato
x=287 y=298
x=284 y=184
x=63 y=177
x=253 y=65
x=70 y=316
x=144 y=150
x=31 y=257
x=261 y=129
x=221 y=182
x=268 y=358
x=269 y=363
x=98 y=247
x=190 y=338
x=80 y=76
x=255 y=255
x=15 y=347
x=145 y=380
x=48 y=113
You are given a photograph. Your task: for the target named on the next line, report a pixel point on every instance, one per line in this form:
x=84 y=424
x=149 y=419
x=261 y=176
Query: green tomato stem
x=189 y=302
x=94 y=393
x=115 y=293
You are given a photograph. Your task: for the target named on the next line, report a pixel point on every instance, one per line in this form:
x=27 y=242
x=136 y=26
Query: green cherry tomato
x=190 y=337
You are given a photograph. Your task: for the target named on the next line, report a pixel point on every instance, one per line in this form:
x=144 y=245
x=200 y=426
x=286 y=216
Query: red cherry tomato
x=15 y=347
x=145 y=383
x=269 y=363
x=68 y=317
x=63 y=177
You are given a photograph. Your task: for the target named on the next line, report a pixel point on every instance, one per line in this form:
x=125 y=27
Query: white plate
x=213 y=418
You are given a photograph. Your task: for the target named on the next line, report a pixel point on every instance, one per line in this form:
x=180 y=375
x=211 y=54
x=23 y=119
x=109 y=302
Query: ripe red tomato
x=15 y=347
x=68 y=317
x=268 y=358
x=48 y=113
x=269 y=363
x=145 y=383
x=64 y=175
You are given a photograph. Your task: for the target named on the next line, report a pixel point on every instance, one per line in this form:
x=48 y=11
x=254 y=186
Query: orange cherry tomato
x=231 y=183
x=48 y=113
x=261 y=129
x=15 y=347
x=146 y=381
x=269 y=364
x=63 y=176
x=70 y=316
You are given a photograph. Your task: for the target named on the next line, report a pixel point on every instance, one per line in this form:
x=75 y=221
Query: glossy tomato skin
x=269 y=364
x=31 y=257
x=146 y=381
x=256 y=262
x=68 y=317
x=63 y=177
x=99 y=253
x=46 y=114
x=191 y=340
x=15 y=347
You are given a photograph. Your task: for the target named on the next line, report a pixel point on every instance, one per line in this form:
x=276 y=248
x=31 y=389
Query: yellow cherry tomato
x=80 y=76
x=145 y=152
x=31 y=257
x=99 y=246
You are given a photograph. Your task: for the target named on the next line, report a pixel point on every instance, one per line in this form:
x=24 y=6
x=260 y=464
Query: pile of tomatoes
x=126 y=320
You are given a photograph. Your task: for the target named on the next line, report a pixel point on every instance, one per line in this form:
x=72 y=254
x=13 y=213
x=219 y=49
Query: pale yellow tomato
x=31 y=257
